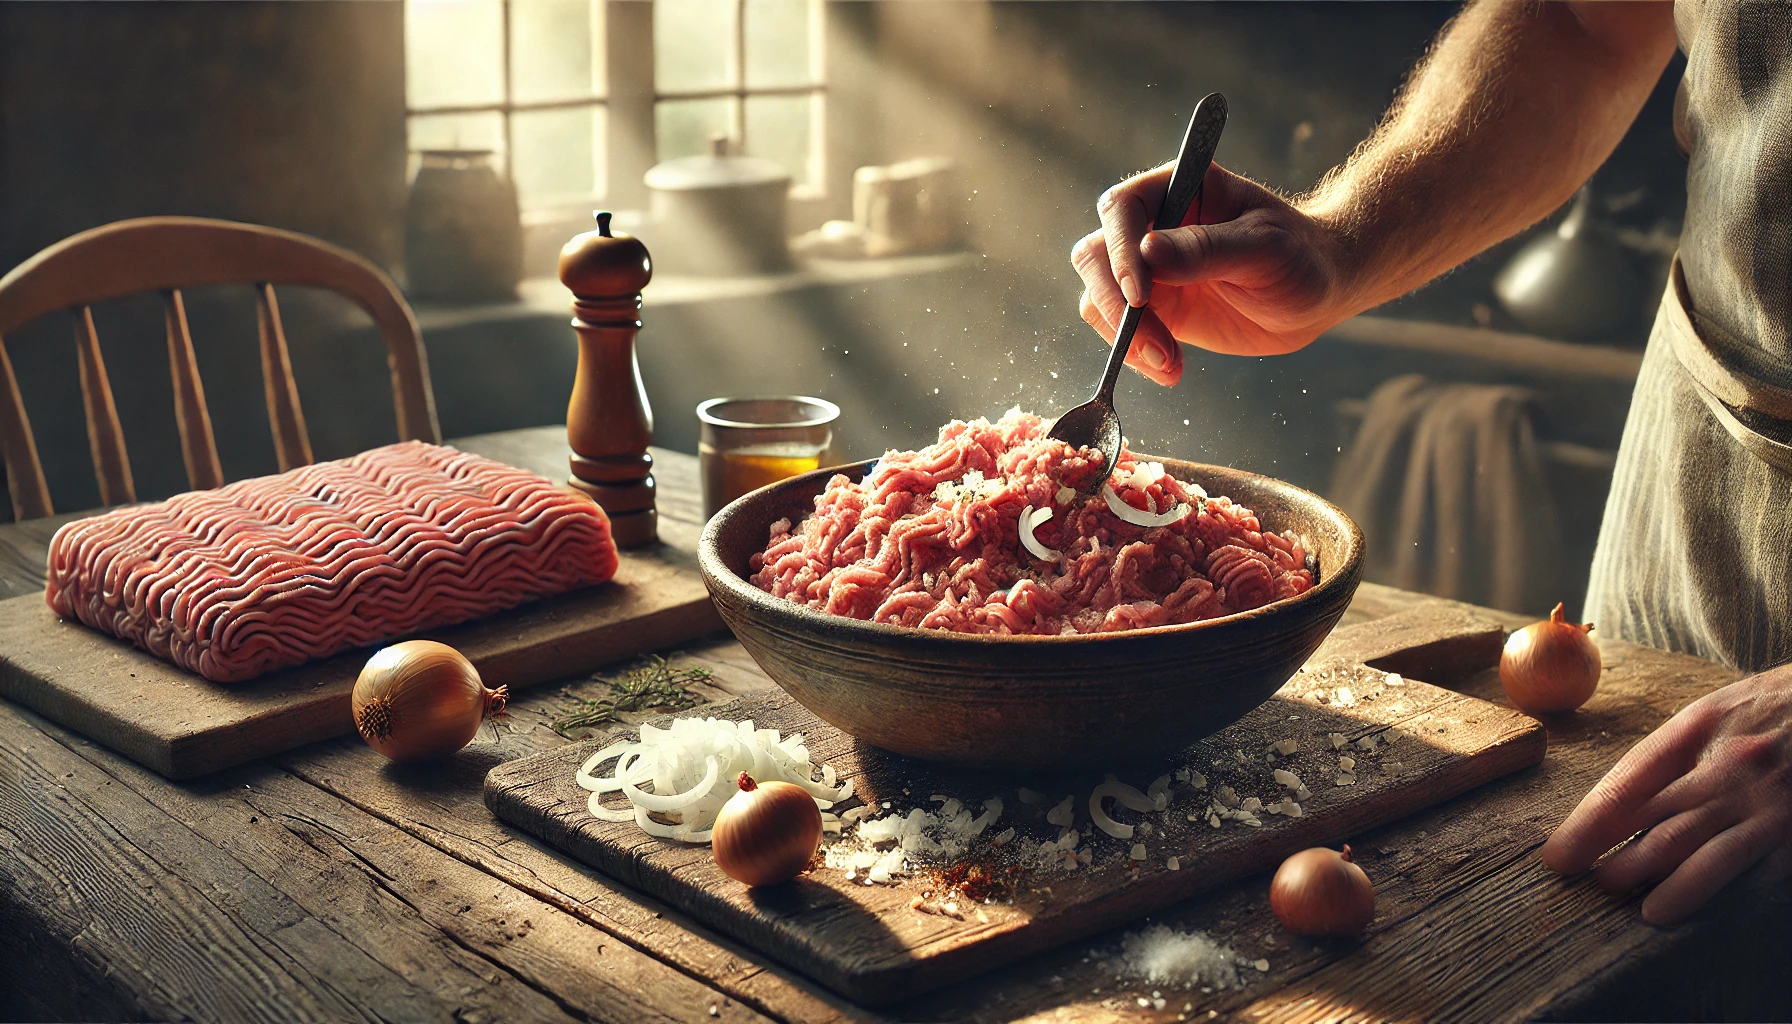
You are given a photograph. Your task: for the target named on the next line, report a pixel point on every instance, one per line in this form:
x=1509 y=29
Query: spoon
x=1095 y=424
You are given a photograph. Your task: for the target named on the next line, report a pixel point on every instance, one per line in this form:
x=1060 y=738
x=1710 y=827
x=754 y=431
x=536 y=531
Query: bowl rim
x=716 y=572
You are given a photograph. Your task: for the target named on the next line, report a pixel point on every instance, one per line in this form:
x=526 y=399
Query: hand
x=1247 y=274
x=1713 y=787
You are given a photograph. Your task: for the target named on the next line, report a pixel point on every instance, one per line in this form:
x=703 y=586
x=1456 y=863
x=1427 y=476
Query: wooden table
x=327 y=884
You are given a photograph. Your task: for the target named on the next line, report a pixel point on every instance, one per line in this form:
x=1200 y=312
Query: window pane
x=556 y=49
x=778 y=42
x=779 y=128
x=683 y=127
x=452 y=52
x=693 y=44
x=459 y=131
x=558 y=155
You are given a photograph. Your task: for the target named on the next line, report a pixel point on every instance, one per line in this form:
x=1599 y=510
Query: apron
x=1695 y=549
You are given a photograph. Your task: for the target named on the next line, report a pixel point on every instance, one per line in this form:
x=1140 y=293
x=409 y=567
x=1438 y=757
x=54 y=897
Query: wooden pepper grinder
x=609 y=423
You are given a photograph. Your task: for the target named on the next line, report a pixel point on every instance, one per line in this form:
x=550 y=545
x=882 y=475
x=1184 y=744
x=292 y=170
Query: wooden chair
x=167 y=254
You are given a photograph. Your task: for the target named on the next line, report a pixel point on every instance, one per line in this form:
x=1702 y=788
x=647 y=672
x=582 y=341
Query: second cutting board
x=1411 y=745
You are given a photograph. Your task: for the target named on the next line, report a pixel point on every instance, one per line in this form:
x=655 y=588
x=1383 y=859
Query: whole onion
x=766 y=834
x=1549 y=667
x=419 y=699
x=1322 y=892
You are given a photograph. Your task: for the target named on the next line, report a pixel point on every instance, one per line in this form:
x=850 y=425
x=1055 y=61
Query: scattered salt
x=1161 y=955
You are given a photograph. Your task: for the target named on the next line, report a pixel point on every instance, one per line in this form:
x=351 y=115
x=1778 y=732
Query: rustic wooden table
x=327 y=884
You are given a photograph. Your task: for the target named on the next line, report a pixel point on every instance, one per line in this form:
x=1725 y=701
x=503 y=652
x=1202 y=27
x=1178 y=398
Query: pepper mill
x=608 y=422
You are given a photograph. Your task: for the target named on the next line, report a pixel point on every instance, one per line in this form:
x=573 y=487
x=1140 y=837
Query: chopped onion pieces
x=692 y=767
x=1030 y=518
x=1138 y=518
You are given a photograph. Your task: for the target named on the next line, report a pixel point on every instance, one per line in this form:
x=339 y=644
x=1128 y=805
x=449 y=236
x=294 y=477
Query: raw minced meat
x=931 y=538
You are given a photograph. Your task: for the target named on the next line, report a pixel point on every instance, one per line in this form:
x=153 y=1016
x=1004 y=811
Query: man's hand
x=1713 y=787
x=1515 y=107
x=1247 y=274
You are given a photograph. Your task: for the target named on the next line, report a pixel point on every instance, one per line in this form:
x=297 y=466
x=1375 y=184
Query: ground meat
x=275 y=571
x=932 y=539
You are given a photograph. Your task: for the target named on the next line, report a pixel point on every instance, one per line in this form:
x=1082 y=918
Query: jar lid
x=605 y=263
x=715 y=170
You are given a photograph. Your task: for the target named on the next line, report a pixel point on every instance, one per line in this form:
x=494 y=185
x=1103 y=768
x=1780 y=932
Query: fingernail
x=1153 y=357
x=1130 y=289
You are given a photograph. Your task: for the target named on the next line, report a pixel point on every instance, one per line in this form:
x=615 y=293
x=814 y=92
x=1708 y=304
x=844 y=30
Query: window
x=530 y=80
x=748 y=69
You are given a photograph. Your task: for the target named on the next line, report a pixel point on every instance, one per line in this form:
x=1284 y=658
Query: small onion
x=419 y=699
x=1549 y=667
x=766 y=834
x=1322 y=892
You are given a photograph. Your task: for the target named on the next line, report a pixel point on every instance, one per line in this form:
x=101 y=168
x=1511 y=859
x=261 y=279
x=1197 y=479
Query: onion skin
x=766 y=834
x=1321 y=892
x=1550 y=667
x=419 y=700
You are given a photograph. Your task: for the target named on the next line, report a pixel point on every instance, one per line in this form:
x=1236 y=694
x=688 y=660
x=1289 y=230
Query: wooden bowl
x=1033 y=702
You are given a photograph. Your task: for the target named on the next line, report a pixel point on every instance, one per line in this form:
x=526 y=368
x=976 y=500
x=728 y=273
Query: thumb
x=1234 y=250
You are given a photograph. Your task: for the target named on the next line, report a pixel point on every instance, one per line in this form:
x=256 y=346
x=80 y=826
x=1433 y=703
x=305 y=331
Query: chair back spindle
x=292 y=443
x=169 y=254
x=24 y=474
x=198 y=446
x=111 y=464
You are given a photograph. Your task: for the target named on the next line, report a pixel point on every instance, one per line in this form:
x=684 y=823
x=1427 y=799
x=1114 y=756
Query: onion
x=766 y=834
x=1030 y=518
x=1549 y=667
x=693 y=766
x=419 y=699
x=1322 y=892
x=1125 y=796
x=1138 y=518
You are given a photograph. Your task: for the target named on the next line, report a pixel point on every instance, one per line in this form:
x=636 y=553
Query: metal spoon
x=1095 y=424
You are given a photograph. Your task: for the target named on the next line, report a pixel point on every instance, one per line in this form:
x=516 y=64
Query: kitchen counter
x=327 y=884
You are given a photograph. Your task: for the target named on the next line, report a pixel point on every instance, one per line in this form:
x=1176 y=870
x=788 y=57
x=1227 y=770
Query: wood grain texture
x=869 y=944
x=198 y=446
x=441 y=805
x=1469 y=925
x=286 y=419
x=105 y=436
x=382 y=926
x=24 y=472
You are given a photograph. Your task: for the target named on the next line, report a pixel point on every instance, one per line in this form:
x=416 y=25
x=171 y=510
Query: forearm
x=1518 y=103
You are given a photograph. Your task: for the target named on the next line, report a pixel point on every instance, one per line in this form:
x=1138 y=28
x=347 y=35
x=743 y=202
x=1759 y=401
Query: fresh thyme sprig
x=650 y=683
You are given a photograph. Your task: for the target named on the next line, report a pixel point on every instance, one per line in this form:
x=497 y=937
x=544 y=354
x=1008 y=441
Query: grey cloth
x=1695 y=550
x=1449 y=487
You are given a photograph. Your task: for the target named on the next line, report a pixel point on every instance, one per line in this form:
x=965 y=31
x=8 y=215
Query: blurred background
x=934 y=162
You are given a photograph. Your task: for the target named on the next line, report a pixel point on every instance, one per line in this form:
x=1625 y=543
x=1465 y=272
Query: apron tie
x=1724 y=388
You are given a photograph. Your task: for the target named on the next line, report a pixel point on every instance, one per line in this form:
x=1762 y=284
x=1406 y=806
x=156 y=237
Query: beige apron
x=1695 y=551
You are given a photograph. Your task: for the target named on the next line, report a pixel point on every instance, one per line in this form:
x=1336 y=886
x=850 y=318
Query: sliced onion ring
x=1030 y=518
x=1138 y=518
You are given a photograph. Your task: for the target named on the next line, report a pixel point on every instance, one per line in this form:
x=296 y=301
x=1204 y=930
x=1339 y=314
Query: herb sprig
x=649 y=683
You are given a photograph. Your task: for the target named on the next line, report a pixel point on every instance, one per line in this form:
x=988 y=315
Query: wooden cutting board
x=870 y=944
x=181 y=725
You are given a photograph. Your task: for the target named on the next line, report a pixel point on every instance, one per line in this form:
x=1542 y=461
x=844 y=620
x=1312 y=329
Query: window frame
x=630 y=96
